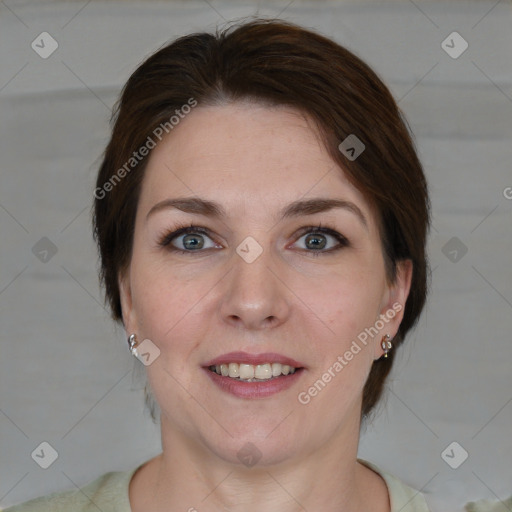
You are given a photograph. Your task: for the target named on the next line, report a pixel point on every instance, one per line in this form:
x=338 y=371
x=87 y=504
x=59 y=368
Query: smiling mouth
x=253 y=373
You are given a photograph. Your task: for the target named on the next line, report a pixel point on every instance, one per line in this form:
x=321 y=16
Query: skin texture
x=254 y=160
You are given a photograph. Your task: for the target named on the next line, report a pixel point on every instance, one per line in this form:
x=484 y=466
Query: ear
x=125 y=294
x=393 y=308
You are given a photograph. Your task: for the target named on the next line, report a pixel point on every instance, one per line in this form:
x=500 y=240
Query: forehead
x=252 y=158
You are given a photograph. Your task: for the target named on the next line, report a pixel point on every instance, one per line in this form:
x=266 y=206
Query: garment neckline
x=128 y=475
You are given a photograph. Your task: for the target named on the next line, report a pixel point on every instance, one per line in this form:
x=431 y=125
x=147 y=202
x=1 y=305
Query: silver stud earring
x=132 y=344
x=386 y=344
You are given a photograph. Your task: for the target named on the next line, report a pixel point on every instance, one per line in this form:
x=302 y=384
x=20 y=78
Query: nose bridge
x=255 y=295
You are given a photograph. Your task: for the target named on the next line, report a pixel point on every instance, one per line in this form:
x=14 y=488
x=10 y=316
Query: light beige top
x=109 y=493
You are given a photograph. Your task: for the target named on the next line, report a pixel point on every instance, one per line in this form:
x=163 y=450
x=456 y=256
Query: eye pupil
x=193 y=241
x=313 y=238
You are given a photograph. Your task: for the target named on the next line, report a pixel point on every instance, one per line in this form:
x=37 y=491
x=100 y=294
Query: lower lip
x=263 y=389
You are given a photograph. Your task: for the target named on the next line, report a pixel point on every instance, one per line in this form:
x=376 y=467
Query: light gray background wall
x=65 y=374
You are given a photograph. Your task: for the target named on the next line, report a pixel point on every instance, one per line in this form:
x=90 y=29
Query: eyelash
x=166 y=239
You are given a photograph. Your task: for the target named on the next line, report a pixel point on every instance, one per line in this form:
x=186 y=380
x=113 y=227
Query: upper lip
x=254 y=359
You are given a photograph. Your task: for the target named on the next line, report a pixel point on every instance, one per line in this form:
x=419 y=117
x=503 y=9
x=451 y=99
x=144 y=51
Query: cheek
x=349 y=304
x=345 y=355
x=164 y=299
x=352 y=299
x=170 y=313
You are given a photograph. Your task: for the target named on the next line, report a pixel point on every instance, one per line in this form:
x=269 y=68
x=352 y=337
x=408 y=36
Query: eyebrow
x=296 y=209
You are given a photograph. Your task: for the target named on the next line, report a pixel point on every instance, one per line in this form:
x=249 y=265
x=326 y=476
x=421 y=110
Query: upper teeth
x=249 y=371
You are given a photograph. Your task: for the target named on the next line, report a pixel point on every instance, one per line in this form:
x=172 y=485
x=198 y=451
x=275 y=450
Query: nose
x=255 y=295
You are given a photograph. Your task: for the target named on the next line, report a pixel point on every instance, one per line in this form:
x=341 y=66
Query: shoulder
x=108 y=493
x=402 y=497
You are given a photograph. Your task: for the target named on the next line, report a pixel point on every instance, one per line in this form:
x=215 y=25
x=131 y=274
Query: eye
x=194 y=239
x=187 y=239
x=320 y=240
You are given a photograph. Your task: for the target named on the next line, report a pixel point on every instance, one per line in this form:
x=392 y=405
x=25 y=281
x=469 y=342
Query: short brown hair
x=276 y=63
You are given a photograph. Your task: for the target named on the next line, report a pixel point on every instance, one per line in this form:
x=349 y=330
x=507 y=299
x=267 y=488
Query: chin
x=260 y=447
x=253 y=455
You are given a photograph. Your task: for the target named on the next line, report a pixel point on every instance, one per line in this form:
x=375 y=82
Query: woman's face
x=249 y=278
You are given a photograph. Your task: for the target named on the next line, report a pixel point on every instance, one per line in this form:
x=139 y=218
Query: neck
x=188 y=476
